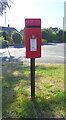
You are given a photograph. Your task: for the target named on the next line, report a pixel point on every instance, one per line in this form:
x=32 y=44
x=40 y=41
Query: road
x=51 y=53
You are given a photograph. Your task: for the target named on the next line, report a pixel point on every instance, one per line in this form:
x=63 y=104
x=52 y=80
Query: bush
x=54 y=37
x=60 y=35
x=9 y=39
x=3 y=43
x=23 y=40
x=47 y=34
x=4 y=34
x=1 y=38
x=16 y=37
x=44 y=41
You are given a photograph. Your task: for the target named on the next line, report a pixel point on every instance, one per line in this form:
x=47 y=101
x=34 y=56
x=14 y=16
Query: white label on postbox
x=33 y=44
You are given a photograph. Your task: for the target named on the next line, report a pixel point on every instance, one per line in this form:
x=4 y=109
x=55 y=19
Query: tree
x=16 y=37
x=4 y=4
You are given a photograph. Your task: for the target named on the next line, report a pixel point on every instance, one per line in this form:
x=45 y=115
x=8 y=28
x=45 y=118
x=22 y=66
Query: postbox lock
x=33 y=36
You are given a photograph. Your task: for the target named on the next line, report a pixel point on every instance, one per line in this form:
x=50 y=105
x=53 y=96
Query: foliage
x=17 y=38
x=51 y=36
x=3 y=43
x=47 y=33
x=44 y=41
x=54 y=36
x=16 y=91
x=9 y=39
x=1 y=38
x=65 y=36
x=60 y=35
x=4 y=4
x=23 y=40
x=4 y=34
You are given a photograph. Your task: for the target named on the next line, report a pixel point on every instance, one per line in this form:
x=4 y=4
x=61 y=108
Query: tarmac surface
x=53 y=53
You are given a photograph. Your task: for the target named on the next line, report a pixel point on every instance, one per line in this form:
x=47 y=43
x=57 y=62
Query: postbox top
x=33 y=22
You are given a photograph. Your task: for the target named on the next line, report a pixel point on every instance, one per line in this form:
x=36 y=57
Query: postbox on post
x=33 y=46
x=33 y=38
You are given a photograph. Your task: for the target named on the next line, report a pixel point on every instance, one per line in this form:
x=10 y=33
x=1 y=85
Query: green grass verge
x=16 y=92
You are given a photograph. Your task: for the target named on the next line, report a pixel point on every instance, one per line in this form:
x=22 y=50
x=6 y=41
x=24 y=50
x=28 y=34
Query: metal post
x=32 y=78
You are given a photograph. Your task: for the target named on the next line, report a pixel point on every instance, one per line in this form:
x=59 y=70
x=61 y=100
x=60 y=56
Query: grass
x=16 y=92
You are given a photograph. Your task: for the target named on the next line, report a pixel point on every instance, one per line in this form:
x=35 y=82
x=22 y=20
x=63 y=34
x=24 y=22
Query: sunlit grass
x=49 y=87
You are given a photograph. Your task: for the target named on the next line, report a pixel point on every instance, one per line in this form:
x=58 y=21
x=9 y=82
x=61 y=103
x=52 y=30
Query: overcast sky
x=51 y=13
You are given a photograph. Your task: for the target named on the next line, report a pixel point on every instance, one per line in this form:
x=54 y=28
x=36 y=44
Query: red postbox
x=33 y=38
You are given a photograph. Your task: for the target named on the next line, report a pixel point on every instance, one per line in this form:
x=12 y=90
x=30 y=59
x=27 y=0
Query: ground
x=49 y=91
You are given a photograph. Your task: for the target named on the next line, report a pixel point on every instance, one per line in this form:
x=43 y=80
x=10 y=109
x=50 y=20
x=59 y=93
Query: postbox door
x=33 y=42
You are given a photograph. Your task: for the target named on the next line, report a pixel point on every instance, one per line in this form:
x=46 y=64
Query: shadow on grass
x=46 y=67
x=16 y=95
x=11 y=59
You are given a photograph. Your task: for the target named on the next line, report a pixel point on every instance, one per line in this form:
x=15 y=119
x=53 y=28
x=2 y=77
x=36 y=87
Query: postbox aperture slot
x=31 y=26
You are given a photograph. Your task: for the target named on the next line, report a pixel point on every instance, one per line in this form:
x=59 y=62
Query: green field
x=49 y=96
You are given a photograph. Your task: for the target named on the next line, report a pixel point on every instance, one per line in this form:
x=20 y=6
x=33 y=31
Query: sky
x=51 y=13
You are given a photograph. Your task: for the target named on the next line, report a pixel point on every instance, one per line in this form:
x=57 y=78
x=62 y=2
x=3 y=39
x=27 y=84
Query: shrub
x=44 y=41
x=9 y=39
x=23 y=40
x=47 y=34
x=4 y=34
x=3 y=43
x=16 y=37
x=54 y=37
x=60 y=35
x=1 y=38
